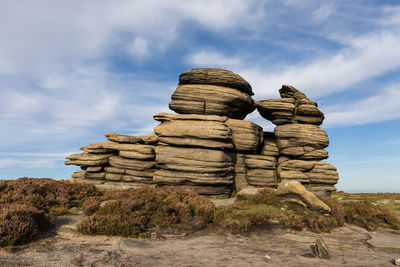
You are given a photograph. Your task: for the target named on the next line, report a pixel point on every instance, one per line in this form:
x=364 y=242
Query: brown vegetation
x=136 y=212
x=29 y=205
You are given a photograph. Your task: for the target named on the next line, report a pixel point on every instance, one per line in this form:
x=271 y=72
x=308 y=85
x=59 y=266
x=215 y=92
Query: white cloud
x=367 y=57
x=139 y=47
x=380 y=107
x=324 y=12
x=206 y=58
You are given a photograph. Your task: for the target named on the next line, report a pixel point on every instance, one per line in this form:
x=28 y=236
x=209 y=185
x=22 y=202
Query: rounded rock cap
x=215 y=76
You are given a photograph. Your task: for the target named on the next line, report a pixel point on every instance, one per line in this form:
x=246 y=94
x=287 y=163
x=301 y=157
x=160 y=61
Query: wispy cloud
x=380 y=107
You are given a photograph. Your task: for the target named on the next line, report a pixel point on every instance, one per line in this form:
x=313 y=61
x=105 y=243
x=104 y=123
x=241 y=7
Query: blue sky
x=71 y=71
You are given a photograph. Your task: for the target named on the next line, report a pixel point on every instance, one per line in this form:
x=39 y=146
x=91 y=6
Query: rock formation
x=208 y=147
x=301 y=142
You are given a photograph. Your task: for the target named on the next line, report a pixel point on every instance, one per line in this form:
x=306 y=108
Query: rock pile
x=123 y=158
x=208 y=147
x=300 y=140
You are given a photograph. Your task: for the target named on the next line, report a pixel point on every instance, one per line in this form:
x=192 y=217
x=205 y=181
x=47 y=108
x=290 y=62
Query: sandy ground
x=210 y=247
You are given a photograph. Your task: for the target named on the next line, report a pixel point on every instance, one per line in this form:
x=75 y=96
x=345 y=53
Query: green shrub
x=20 y=223
x=134 y=212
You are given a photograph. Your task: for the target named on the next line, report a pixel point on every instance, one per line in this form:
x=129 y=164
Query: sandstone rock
x=261 y=177
x=162 y=116
x=87 y=163
x=120 y=162
x=321 y=249
x=88 y=156
x=144 y=173
x=127 y=178
x=308 y=113
x=97 y=148
x=269 y=148
x=122 y=138
x=208 y=190
x=163 y=176
x=260 y=162
x=95 y=175
x=94 y=169
x=289 y=110
x=149 y=139
x=211 y=100
x=299 y=139
x=288 y=91
x=194 y=159
x=207 y=133
x=240 y=172
x=293 y=188
x=79 y=175
x=278 y=111
x=215 y=76
x=247 y=193
x=320 y=189
x=314 y=172
x=136 y=155
x=143 y=149
x=247 y=136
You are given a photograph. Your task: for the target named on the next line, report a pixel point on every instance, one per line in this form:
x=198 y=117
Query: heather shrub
x=46 y=194
x=135 y=212
x=369 y=216
x=20 y=223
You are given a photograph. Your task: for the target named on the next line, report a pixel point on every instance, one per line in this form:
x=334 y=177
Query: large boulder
x=294 y=191
x=301 y=141
x=215 y=76
x=208 y=99
x=288 y=110
x=247 y=136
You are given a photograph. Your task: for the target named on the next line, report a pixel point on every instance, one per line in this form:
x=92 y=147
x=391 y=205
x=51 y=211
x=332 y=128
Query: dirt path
x=210 y=247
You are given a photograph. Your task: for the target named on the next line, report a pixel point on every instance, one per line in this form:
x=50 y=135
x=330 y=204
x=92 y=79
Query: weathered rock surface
x=149 y=139
x=294 y=189
x=240 y=172
x=293 y=107
x=288 y=91
x=215 y=76
x=301 y=140
x=261 y=177
x=247 y=136
x=120 y=162
x=321 y=249
x=269 y=147
x=194 y=159
x=200 y=132
x=247 y=193
x=260 y=162
x=211 y=100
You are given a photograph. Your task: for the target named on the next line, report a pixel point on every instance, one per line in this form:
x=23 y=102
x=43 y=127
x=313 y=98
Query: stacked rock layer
x=301 y=142
x=123 y=158
x=208 y=147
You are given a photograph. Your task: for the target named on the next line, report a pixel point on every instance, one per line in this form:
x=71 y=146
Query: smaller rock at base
x=294 y=189
x=396 y=261
x=247 y=193
x=321 y=249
